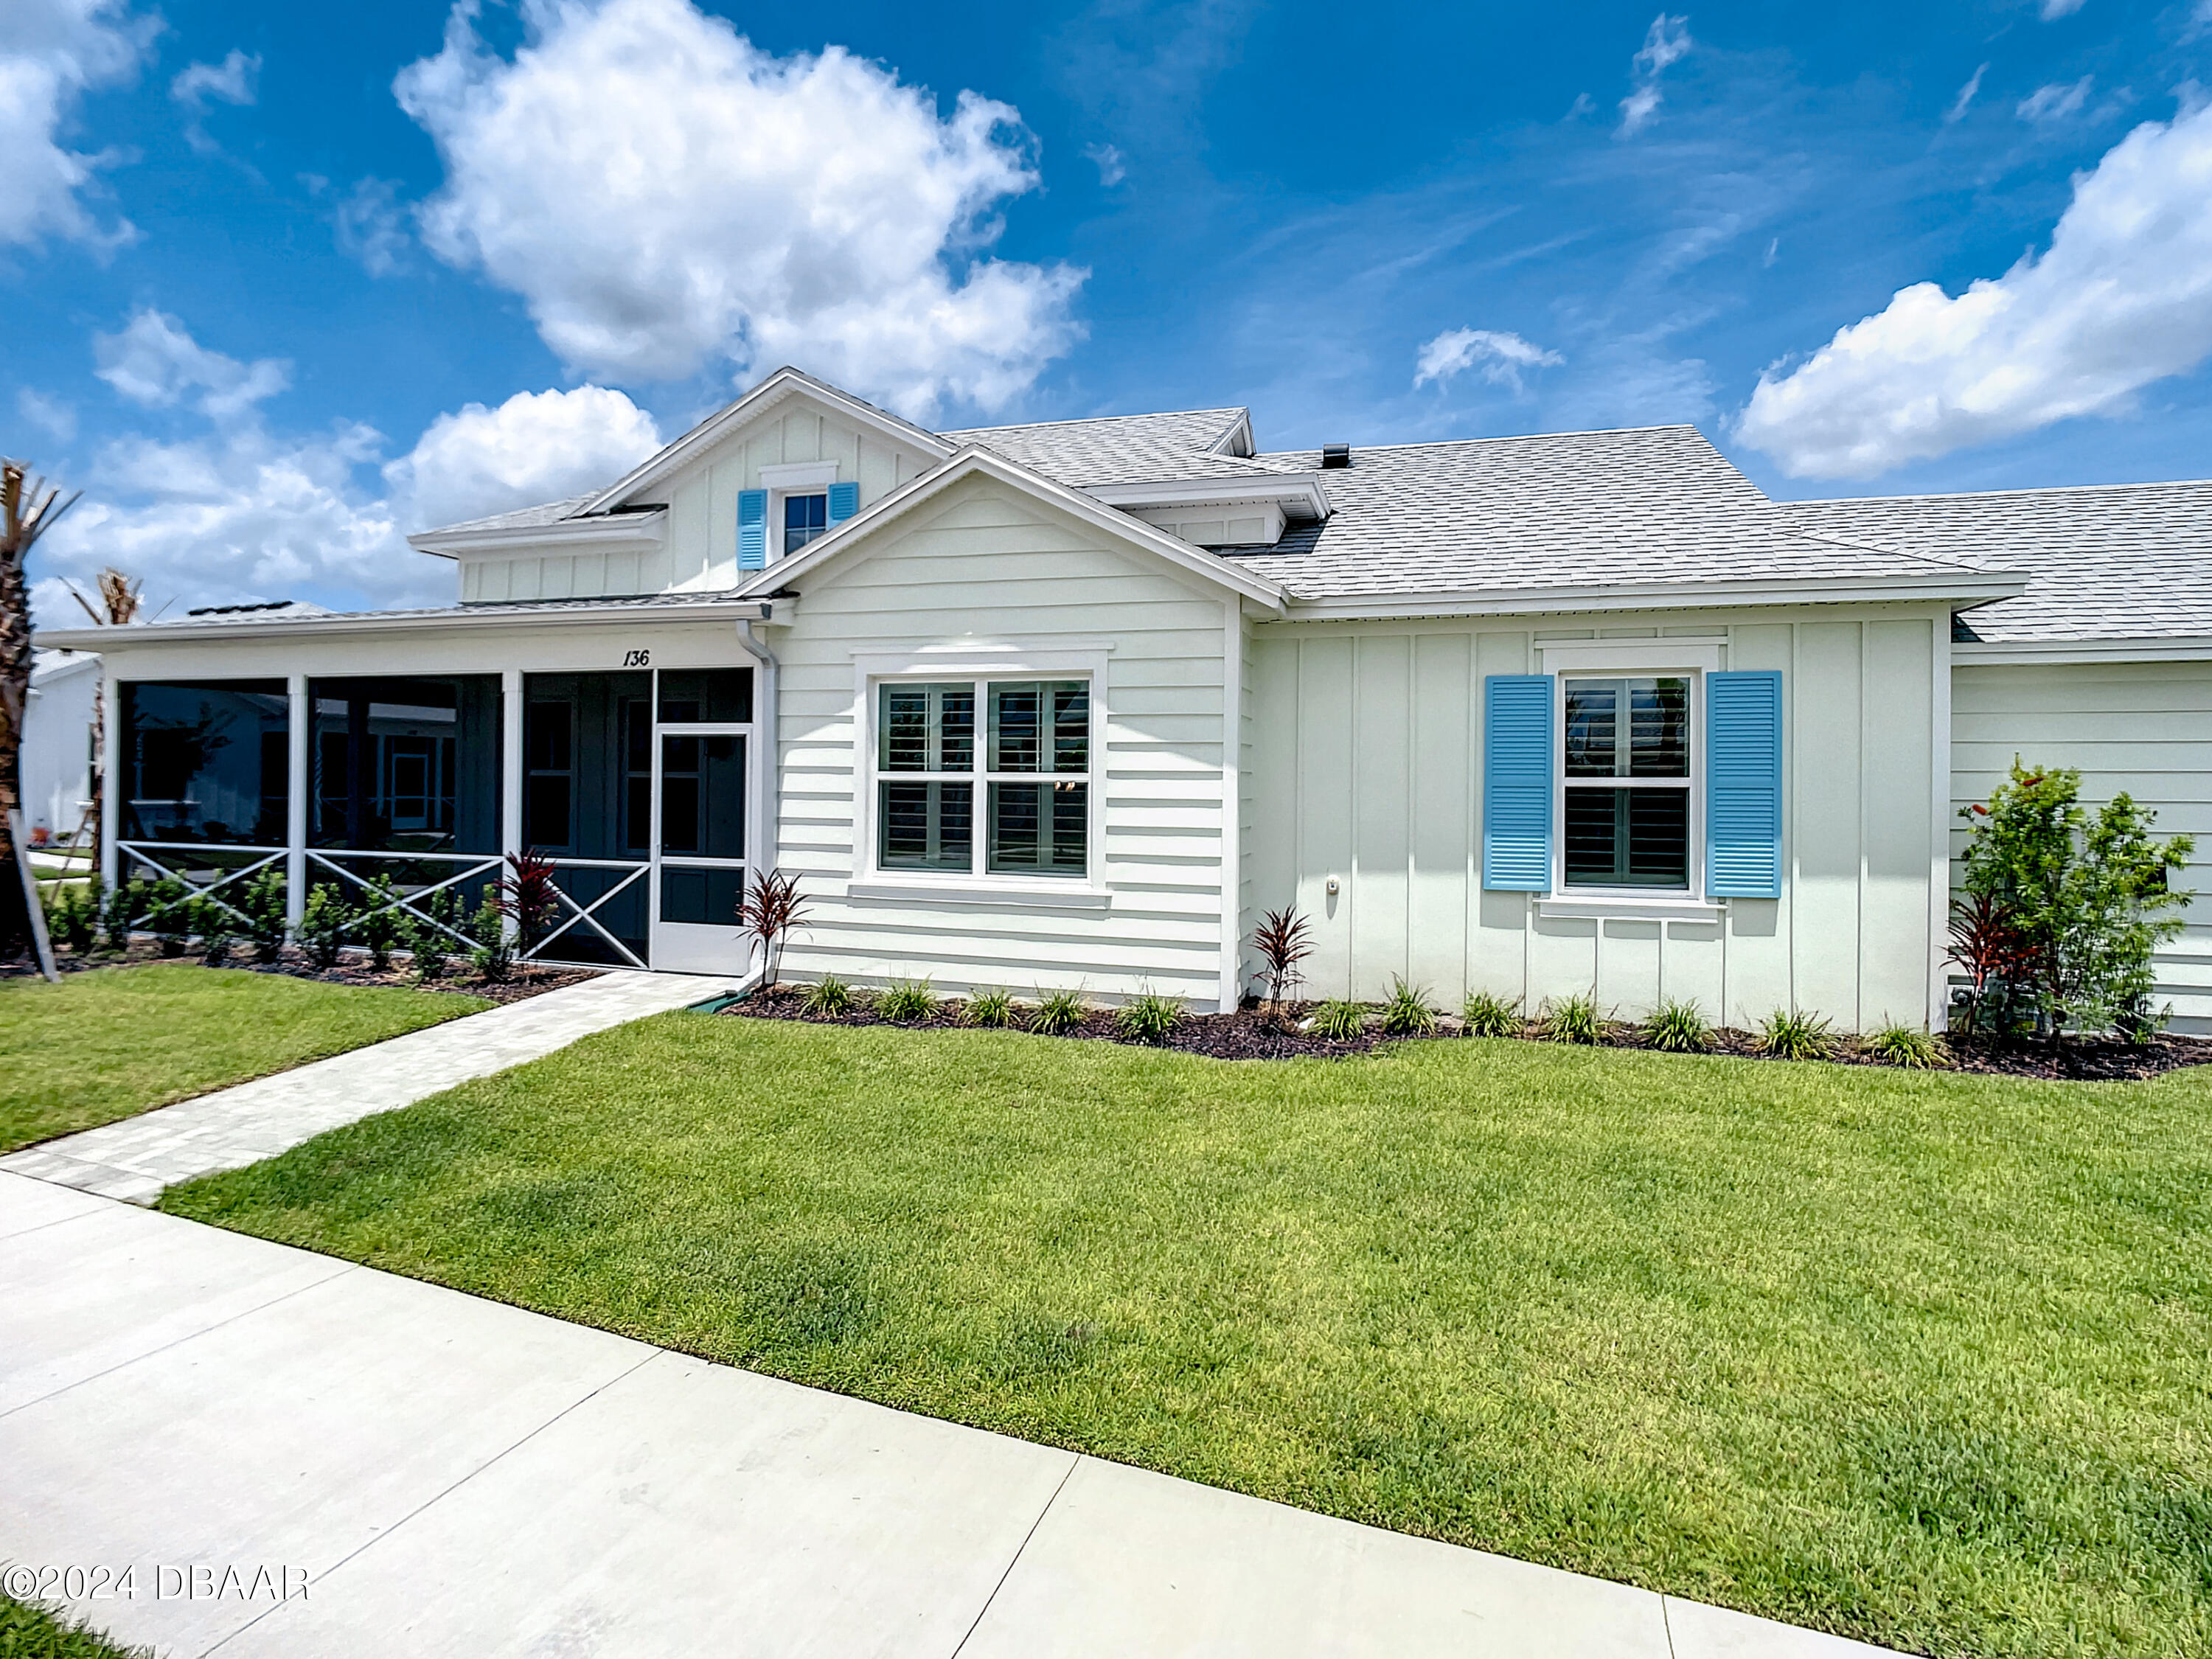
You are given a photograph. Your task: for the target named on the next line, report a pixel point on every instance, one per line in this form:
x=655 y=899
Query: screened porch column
x=111 y=781
x=510 y=762
x=296 y=731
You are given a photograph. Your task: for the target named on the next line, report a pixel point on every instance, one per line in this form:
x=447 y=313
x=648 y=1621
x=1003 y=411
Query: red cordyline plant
x=1988 y=943
x=1284 y=938
x=769 y=906
x=528 y=897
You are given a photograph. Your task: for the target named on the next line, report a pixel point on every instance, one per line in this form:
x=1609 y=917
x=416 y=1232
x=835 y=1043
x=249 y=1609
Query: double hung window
x=805 y=517
x=984 y=777
x=1626 y=760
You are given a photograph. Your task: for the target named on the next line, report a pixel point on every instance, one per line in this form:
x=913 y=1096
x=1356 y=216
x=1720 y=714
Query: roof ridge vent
x=1334 y=456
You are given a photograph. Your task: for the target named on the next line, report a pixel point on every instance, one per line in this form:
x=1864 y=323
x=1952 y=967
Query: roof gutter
x=2176 y=647
x=1963 y=589
x=132 y=636
x=638 y=529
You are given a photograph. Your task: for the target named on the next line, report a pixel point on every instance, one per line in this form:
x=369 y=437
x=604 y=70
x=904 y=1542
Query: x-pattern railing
x=142 y=852
x=584 y=913
x=477 y=865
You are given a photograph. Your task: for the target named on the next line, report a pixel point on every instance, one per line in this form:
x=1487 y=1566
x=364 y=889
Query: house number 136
x=637 y=660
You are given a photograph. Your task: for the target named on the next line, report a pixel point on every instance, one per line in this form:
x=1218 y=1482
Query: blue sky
x=276 y=275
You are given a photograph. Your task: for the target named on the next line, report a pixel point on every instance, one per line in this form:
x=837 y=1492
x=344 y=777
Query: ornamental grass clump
x=1788 y=1035
x=1406 y=1012
x=1572 y=1019
x=992 y=1009
x=1339 y=1021
x=1907 y=1046
x=1489 y=1015
x=1678 y=1026
x=908 y=1002
x=829 y=997
x=1058 y=1012
x=1148 y=1018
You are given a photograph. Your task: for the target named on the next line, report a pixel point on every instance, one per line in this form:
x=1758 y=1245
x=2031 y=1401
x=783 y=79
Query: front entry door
x=698 y=846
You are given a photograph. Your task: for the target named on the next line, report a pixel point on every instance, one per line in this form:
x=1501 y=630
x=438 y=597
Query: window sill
x=1021 y=896
x=1632 y=909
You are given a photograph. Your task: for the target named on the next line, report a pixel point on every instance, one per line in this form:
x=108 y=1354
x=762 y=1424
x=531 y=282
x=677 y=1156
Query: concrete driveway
x=294 y=1455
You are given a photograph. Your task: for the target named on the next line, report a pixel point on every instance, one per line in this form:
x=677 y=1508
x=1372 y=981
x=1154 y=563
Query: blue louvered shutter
x=1516 y=783
x=844 y=501
x=1743 y=785
x=752 y=529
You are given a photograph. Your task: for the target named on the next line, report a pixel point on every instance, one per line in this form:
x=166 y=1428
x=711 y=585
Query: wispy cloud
x=1665 y=43
x=1112 y=168
x=1964 y=100
x=372 y=225
x=2055 y=9
x=1499 y=354
x=234 y=81
x=2058 y=101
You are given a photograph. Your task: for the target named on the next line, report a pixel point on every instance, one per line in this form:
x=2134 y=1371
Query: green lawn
x=108 y=1042
x=28 y=1631
x=1925 y=1360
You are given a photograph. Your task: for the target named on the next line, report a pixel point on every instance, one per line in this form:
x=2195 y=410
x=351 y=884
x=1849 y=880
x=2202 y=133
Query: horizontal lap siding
x=2143 y=728
x=990 y=569
x=1366 y=768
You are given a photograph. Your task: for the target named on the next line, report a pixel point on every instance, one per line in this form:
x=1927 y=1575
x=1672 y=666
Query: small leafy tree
x=1284 y=938
x=769 y=906
x=2088 y=895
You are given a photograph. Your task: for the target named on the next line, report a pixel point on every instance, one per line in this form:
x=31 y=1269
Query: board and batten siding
x=984 y=567
x=1366 y=768
x=2142 y=727
x=700 y=552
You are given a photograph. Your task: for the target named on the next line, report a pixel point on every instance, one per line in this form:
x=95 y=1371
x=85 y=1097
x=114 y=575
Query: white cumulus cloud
x=1500 y=355
x=2123 y=297
x=52 y=53
x=664 y=195
x=152 y=360
x=1666 y=42
x=536 y=446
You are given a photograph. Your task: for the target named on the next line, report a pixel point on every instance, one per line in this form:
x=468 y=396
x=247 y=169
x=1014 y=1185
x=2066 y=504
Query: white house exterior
x=57 y=751
x=1070 y=704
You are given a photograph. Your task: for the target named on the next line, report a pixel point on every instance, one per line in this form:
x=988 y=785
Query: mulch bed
x=1245 y=1035
x=352 y=970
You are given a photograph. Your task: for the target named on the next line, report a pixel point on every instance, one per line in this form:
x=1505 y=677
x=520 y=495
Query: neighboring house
x=57 y=752
x=1071 y=703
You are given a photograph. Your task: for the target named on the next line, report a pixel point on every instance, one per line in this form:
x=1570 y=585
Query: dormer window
x=805 y=517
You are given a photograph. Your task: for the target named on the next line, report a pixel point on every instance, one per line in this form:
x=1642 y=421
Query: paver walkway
x=232 y=1419
x=137 y=1156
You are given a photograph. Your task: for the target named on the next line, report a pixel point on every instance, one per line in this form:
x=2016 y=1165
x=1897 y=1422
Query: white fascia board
x=975 y=458
x=615 y=531
x=2171 y=648
x=784 y=383
x=1667 y=596
x=113 y=640
x=1301 y=494
x=54 y=672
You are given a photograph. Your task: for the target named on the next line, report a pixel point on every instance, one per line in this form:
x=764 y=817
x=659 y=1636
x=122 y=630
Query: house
x=1071 y=703
x=58 y=744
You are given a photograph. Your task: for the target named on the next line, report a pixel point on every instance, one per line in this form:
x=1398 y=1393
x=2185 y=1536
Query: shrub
x=2088 y=894
x=1284 y=940
x=908 y=1002
x=73 y=915
x=1407 y=1014
x=125 y=903
x=528 y=896
x=1058 y=1012
x=1572 y=1019
x=378 y=926
x=214 y=925
x=1795 y=1036
x=323 y=924
x=1339 y=1021
x=1907 y=1046
x=827 y=995
x=1678 y=1026
x=1148 y=1018
x=1488 y=1015
x=493 y=954
x=769 y=907
x=1994 y=1004
x=989 y=1008
x=169 y=915
x=261 y=902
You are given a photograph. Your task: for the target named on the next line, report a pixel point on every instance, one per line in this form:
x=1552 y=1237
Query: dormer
x=1240 y=512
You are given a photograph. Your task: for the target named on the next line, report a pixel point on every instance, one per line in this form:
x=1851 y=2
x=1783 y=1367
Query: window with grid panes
x=1626 y=757
x=984 y=777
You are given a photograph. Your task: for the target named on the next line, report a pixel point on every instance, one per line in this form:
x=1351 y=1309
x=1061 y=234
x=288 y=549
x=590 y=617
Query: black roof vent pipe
x=1335 y=455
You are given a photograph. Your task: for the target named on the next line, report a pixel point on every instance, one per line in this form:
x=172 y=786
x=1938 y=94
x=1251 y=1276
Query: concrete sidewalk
x=452 y=1476
x=137 y=1156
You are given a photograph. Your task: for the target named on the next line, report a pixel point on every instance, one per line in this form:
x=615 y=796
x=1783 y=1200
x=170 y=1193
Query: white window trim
x=981 y=662
x=1693 y=659
x=793 y=479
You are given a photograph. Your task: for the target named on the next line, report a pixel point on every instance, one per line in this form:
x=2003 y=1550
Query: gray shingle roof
x=523 y=518
x=1650 y=505
x=1116 y=449
x=2103 y=561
